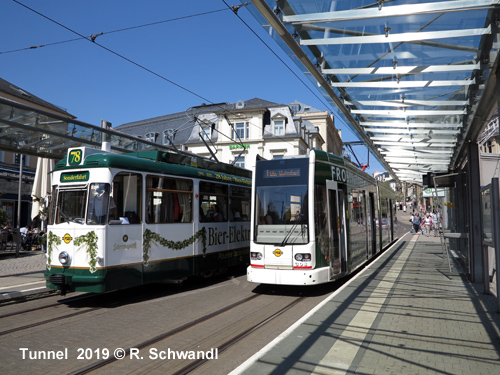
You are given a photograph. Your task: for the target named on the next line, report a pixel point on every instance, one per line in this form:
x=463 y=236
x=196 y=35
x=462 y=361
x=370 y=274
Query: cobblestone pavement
x=26 y=262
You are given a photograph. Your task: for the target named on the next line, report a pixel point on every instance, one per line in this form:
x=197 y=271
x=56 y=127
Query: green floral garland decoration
x=89 y=239
x=53 y=239
x=152 y=237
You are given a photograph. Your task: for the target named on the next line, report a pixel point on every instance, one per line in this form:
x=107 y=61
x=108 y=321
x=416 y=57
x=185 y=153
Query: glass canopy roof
x=30 y=131
x=411 y=78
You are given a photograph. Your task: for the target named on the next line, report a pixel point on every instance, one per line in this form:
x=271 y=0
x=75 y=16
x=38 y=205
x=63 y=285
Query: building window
x=279 y=127
x=168 y=136
x=277 y=157
x=240 y=162
x=206 y=132
x=241 y=130
x=150 y=137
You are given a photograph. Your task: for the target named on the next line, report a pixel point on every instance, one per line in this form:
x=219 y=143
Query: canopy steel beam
x=390 y=11
x=413 y=131
x=403 y=69
x=408 y=103
x=396 y=38
x=399 y=84
x=406 y=125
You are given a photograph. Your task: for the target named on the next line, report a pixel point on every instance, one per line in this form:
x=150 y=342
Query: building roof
x=15 y=91
x=181 y=123
x=299 y=108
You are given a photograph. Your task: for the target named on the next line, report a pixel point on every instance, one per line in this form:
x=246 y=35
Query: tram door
x=336 y=220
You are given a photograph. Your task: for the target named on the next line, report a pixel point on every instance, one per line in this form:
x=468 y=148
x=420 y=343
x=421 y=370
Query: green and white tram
x=122 y=220
x=316 y=218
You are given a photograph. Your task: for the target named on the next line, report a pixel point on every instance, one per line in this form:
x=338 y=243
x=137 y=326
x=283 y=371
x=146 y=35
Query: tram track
x=116 y=300
x=233 y=340
x=165 y=335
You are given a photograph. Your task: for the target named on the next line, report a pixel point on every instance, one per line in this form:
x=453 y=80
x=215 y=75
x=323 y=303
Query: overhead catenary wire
x=288 y=67
x=93 y=38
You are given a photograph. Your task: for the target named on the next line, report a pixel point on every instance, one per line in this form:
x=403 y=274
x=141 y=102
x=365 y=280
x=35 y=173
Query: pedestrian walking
x=435 y=221
x=428 y=223
x=416 y=222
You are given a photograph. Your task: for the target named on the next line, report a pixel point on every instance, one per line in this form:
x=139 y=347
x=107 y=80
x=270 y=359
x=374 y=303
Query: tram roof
x=162 y=162
x=415 y=80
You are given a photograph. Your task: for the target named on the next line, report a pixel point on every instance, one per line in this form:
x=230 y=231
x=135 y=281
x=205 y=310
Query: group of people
x=28 y=236
x=425 y=223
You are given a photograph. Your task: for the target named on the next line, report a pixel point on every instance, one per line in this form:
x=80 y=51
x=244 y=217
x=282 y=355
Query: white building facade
x=234 y=133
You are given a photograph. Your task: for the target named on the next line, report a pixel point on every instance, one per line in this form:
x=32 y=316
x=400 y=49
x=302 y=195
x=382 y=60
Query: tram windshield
x=71 y=204
x=281 y=213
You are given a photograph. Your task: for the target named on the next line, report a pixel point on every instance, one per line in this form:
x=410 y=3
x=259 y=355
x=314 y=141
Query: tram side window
x=357 y=209
x=239 y=198
x=213 y=202
x=98 y=203
x=125 y=203
x=168 y=200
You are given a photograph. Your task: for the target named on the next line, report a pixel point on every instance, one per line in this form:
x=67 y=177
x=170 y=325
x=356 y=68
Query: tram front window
x=71 y=205
x=281 y=212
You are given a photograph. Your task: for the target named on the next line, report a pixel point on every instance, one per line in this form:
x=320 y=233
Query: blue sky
x=203 y=54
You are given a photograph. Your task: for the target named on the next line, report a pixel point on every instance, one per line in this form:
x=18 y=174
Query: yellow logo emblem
x=277 y=252
x=67 y=238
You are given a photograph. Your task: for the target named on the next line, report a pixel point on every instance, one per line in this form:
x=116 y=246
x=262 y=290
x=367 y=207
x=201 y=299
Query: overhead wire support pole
x=19 y=202
x=495 y=200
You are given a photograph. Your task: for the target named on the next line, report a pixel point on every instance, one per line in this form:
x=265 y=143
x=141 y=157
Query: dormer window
x=168 y=136
x=206 y=132
x=150 y=137
x=278 y=127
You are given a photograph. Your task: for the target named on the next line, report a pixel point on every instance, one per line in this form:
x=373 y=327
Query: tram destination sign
x=290 y=172
x=75 y=177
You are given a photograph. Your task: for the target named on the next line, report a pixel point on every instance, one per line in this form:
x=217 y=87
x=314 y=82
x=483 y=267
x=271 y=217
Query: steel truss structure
x=415 y=80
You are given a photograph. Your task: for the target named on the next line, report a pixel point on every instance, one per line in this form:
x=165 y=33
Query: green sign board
x=75 y=157
x=233 y=147
x=75 y=177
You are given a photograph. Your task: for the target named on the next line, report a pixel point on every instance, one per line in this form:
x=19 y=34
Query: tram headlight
x=299 y=257
x=64 y=258
x=256 y=256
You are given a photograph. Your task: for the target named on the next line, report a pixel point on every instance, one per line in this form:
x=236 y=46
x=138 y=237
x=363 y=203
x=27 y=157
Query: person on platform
x=416 y=223
x=428 y=224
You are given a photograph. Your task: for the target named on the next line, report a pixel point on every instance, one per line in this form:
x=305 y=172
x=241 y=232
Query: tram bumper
x=72 y=283
x=287 y=277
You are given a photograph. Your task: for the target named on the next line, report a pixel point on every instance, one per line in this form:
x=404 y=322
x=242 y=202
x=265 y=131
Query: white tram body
x=122 y=220
x=315 y=219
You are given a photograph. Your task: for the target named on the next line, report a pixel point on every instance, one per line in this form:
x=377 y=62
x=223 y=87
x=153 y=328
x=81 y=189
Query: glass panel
x=169 y=200
x=98 y=203
x=213 y=202
x=125 y=204
x=240 y=203
x=70 y=206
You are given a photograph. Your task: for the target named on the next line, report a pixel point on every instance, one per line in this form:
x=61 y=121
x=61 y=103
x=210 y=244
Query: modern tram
x=316 y=218
x=122 y=220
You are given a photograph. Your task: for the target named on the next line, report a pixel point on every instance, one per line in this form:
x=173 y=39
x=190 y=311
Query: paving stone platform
x=407 y=313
